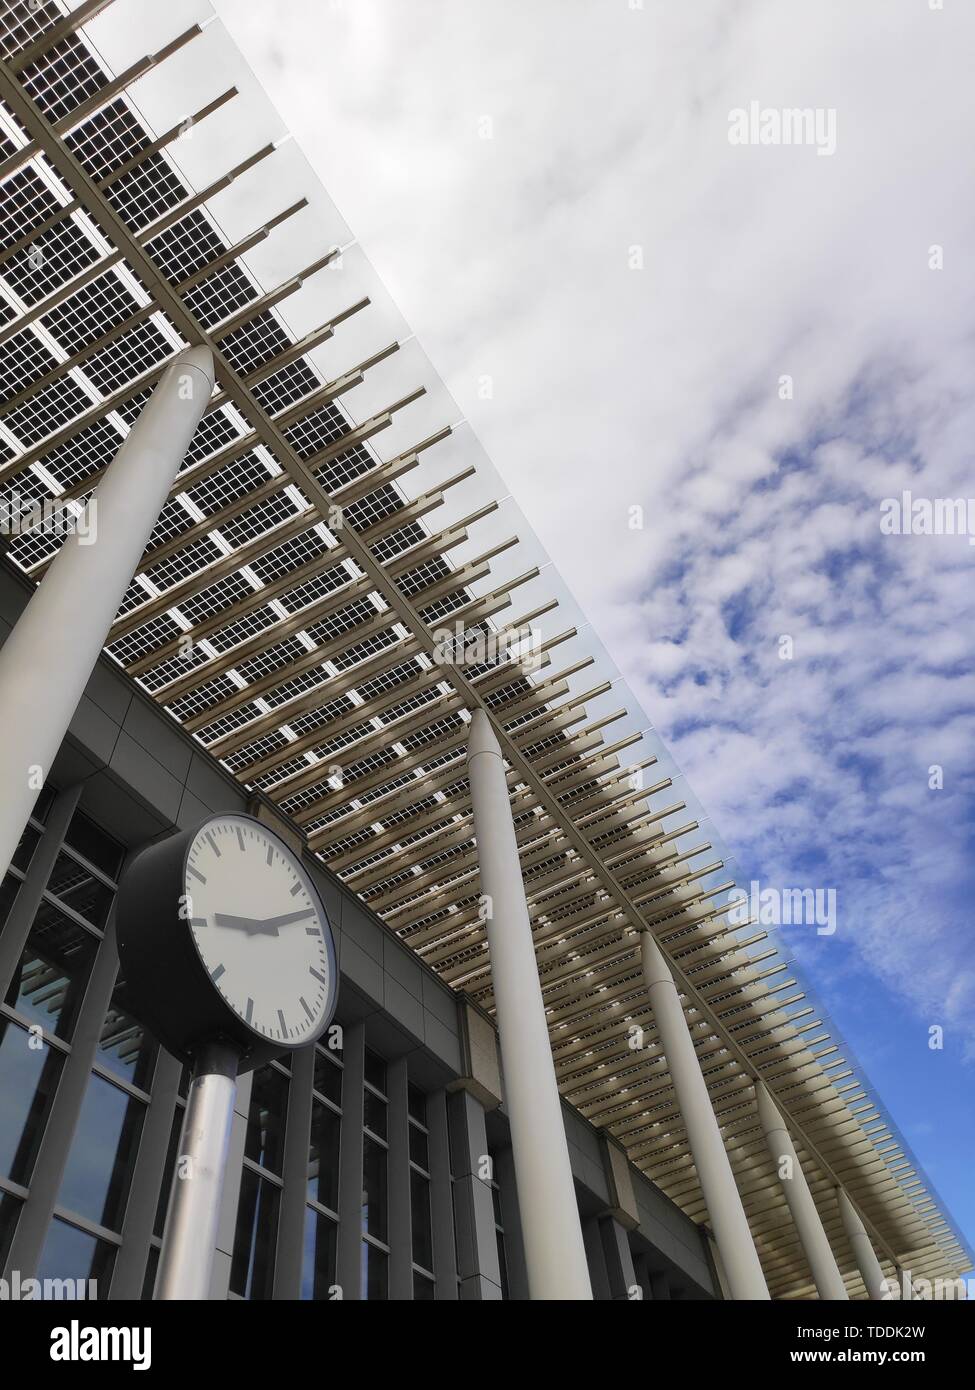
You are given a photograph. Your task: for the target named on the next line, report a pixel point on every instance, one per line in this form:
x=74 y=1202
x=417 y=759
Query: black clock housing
x=170 y=987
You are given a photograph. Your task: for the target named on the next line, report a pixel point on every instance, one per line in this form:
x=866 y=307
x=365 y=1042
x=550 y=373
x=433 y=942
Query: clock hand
x=287 y=918
x=251 y=925
x=257 y=925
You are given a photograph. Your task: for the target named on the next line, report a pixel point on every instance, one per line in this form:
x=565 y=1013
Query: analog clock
x=223 y=936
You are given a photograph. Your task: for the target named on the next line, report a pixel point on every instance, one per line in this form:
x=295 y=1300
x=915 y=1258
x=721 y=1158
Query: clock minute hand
x=286 y=918
x=251 y=925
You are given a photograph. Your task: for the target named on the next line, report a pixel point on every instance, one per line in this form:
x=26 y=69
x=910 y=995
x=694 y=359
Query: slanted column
x=815 y=1243
x=48 y=657
x=554 y=1251
x=863 y=1252
x=721 y=1195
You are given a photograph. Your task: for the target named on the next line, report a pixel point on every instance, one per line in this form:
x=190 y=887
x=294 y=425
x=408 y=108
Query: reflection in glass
x=49 y=983
x=318 y=1265
x=28 y=1077
x=72 y=1254
x=81 y=890
x=124 y=1046
x=102 y=1157
x=265 y=1119
x=374 y=1189
x=373 y=1272
x=323 y=1156
x=252 y=1264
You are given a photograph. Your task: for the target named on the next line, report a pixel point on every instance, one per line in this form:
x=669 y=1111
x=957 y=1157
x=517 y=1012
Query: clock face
x=260 y=928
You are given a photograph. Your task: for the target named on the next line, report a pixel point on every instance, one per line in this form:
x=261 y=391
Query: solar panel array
x=286 y=613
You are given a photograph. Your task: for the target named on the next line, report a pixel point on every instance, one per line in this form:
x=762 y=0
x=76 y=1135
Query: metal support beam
x=554 y=1249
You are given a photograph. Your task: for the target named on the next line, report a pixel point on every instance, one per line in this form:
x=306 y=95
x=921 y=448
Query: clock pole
x=194 y=1206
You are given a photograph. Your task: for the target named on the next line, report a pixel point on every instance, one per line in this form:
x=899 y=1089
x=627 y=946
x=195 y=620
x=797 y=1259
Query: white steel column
x=863 y=1252
x=46 y=661
x=554 y=1252
x=728 y=1220
x=822 y=1262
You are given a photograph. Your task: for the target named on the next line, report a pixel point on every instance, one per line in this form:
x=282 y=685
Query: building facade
x=321 y=615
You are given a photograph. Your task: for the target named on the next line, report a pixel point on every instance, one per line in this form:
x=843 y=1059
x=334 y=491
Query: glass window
x=252 y=1264
x=149 y=1282
x=49 y=983
x=77 y=886
x=420 y=1214
x=162 y=1205
x=374 y=1114
x=423 y=1288
x=318 y=1266
x=43 y=804
x=375 y=1071
x=374 y=1188
x=28 y=1077
x=419 y=1147
x=373 y=1272
x=323 y=1156
x=25 y=848
x=416 y=1104
x=8 y=892
x=328 y=1078
x=102 y=1157
x=124 y=1046
x=97 y=847
x=73 y=1254
x=9 y=1212
x=265 y=1119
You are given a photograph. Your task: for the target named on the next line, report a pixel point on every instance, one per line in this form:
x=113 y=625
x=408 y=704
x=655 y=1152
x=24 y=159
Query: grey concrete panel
x=404 y=1007
x=148 y=779
x=161 y=738
x=95 y=731
x=400 y=962
x=442 y=1041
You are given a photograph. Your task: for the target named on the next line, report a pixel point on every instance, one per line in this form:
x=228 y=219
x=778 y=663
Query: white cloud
x=660 y=386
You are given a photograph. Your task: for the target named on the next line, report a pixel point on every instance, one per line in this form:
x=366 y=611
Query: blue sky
x=550 y=195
